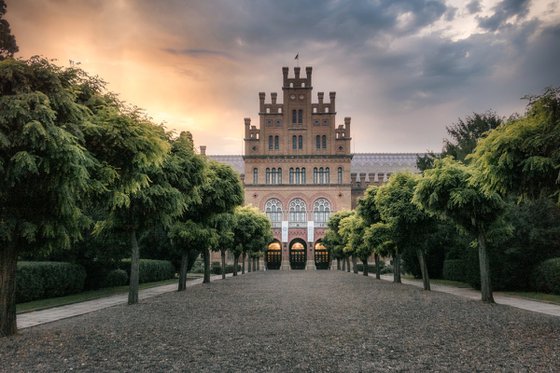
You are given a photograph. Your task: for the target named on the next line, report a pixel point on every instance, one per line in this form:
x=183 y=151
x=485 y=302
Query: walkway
x=29 y=319
x=293 y=321
x=500 y=298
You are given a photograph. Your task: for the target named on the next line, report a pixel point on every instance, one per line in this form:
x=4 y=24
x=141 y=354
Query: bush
x=116 y=277
x=546 y=276
x=454 y=269
x=151 y=270
x=40 y=280
x=371 y=268
x=216 y=268
x=198 y=266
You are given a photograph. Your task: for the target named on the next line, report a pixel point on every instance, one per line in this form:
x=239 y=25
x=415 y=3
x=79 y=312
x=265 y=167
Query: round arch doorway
x=298 y=254
x=273 y=255
x=322 y=256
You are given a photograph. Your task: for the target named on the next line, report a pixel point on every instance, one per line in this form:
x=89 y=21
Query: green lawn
x=42 y=304
x=541 y=297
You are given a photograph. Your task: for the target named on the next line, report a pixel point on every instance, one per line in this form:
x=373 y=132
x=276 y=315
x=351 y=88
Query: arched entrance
x=322 y=256
x=273 y=255
x=298 y=253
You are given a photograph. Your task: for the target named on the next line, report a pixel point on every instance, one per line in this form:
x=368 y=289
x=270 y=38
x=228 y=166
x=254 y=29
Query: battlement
x=343 y=130
x=324 y=107
x=297 y=82
x=269 y=108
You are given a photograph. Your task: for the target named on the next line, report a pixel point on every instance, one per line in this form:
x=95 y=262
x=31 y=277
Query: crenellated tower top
x=297 y=82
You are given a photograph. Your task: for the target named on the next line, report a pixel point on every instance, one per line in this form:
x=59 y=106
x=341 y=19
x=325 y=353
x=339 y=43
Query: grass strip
x=42 y=304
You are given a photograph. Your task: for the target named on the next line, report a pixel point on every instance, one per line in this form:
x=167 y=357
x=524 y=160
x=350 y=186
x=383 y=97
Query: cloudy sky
x=402 y=69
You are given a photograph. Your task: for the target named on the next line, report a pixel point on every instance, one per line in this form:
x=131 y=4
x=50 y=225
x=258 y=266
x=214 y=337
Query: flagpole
x=297 y=59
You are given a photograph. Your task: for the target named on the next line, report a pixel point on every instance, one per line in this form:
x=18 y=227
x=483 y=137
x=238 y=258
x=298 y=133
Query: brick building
x=298 y=168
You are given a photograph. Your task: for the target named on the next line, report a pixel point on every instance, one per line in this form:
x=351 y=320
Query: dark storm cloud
x=474 y=6
x=503 y=11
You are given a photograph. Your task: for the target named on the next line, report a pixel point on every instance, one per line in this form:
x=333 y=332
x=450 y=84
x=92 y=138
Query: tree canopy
x=8 y=45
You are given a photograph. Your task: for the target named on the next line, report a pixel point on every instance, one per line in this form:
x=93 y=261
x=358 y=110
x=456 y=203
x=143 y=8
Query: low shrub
x=371 y=268
x=454 y=269
x=151 y=270
x=216 y=268
x=116 y=277
x=546 y=276
x=198 y=266
x=41 y=280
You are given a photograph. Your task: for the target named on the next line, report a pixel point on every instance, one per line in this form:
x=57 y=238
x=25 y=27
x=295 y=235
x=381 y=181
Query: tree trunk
x=347 y=263
x=235 y=264
x=223 y=254
x=206 y=255
x=183 y=271
x=423 y=269
x=8 y=266
x=366 y=269
x=249 y=264
x=258 y=264
x=134 y=269
x=397 y=267
x=338 y=264
x=355 y=264
x=377 y=267
x=344 y=264
x=243 y=264
x=485 y=284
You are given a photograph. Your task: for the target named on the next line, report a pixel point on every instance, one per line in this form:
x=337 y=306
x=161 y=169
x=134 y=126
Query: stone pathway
x=500 y=298
x=29 y=319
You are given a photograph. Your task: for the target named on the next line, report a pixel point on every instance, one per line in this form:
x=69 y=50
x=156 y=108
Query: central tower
x=297 y=169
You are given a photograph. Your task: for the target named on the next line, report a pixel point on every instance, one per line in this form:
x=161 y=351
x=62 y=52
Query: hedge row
x=546 y=276
x=40 y=280
x=371 y=268
x=151 y=270
x=216 y=268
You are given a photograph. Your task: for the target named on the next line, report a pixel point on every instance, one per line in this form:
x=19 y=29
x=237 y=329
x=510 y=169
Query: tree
x=332 y=240
x=221 y=192
x=44 y=167
x=450 y=191
x=464 y=135
x=523 y=157
x=410 y=225
x=352 y=229
x=8 y=45
x=251 y=232
x=368 y=211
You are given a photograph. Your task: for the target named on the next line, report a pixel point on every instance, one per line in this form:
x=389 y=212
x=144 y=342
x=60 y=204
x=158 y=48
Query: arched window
x=321 y=211
x=327 y=176
x=315 y=175
x=291 y=175
x=303 y=176
x=298 y=212
x=294 y=116
x=273 y=209
x=324 y=141
x=339 y=175
x=318 y=142
x=300 y=116
x=321 y=175
x=267 y=175
x=279 y=175
x=270 y=142
x=276 y=142
x=300 y=142
x=298 y=176
x=255 y=175
x=294 y=142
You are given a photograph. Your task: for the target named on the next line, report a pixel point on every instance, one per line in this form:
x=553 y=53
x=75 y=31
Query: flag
x=297 y=57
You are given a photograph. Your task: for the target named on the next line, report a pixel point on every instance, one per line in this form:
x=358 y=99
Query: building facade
x=298 y=168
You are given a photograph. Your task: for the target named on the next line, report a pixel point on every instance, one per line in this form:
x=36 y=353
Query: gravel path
x=322 y=321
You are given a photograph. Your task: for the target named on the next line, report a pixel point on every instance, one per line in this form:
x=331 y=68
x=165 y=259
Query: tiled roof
x=361 y=162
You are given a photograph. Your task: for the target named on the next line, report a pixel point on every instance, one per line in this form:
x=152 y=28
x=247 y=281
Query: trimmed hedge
x=454 y=269
x=41 y=280
x=116 y=277
x=216 y=268
x=371 y=268
x=151 y=270
x=546 y=276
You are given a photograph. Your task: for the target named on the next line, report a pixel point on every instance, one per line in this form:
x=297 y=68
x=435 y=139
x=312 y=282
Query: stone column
x=285 y=258
x=310 y=264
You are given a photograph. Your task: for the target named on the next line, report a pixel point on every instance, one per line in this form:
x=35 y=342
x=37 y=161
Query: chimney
x=202 y=149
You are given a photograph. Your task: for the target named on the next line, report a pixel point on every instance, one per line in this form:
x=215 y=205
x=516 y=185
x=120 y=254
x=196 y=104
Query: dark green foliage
x=435 y=256
x=116 y=277
x=216 y=268
x=454 y=269
x=371 y=268
x=40 y=280
x=8 y=45
x=546 y=276
x=151 y=270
